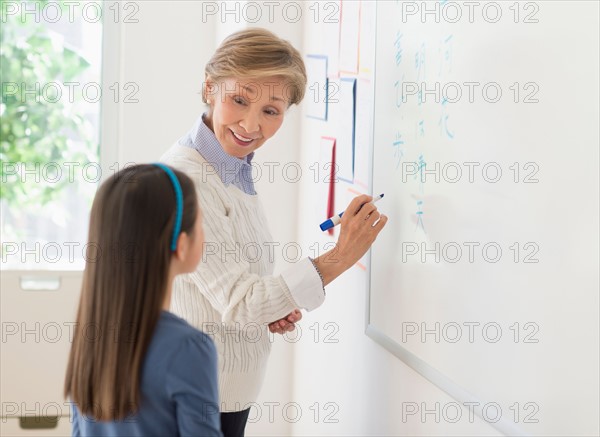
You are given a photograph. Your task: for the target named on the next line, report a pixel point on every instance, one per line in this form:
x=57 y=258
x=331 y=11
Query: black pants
x=233 y=424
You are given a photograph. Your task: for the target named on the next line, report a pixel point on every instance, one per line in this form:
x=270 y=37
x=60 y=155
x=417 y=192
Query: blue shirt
x=179 y=395
x=230 y=169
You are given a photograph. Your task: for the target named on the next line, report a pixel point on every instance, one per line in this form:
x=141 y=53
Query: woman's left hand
x=287 y=324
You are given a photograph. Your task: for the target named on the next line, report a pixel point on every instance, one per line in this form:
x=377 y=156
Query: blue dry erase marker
x=335 y=220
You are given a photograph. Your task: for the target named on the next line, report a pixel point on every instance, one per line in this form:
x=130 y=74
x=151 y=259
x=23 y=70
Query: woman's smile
x=240 y=139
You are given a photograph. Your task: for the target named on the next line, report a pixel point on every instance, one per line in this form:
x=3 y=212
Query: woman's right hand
x=360 y=225
x=359 y=229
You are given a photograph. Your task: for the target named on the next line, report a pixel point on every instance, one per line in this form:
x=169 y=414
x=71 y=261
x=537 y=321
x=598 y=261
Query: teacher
x=250 y=82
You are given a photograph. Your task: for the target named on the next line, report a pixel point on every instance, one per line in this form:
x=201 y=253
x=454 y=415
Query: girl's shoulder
x=176 y=337
x=180 y=328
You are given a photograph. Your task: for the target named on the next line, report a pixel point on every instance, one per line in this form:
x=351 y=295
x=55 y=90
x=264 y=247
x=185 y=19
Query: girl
x=134 y=368
x=251 y=80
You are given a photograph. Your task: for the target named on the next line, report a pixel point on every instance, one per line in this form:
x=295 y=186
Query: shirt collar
x=205 y=141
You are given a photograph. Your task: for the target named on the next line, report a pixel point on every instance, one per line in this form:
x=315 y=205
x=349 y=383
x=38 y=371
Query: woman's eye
x=271 y=112
x=238 y=100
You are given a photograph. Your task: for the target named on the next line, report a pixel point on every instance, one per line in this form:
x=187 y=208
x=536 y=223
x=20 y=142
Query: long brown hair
x=124 y=286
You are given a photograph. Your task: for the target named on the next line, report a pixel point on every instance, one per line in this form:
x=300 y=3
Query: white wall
x=164 y=55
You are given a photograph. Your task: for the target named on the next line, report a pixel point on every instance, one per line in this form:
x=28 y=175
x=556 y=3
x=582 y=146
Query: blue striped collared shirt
x=231 y=170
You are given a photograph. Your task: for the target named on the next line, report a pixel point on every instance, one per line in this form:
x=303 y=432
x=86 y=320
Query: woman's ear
x=209 y=90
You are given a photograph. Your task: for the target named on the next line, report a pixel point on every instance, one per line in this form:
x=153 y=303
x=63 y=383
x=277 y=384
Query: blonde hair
x=257 y=53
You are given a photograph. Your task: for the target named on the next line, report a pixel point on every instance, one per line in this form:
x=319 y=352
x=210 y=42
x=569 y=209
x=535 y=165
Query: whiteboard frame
x=420 y=366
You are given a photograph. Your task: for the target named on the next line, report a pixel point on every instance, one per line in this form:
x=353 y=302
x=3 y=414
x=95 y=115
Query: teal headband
x=178 y=199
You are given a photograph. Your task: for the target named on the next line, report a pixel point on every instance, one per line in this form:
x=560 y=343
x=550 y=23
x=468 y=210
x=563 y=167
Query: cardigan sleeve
x=224 y=277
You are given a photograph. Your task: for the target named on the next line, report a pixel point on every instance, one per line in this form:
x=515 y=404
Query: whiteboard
x=485 y=279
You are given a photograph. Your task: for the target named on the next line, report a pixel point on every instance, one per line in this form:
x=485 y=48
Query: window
x=50 y=64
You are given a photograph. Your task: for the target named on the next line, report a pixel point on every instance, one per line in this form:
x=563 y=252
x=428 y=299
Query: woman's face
x=244 y=114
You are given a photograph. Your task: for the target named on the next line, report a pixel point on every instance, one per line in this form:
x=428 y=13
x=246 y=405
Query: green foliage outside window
x=42 y=127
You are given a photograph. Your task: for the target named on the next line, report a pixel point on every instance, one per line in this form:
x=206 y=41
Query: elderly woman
x=251 y=81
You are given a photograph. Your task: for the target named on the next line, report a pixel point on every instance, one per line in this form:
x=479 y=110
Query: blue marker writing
x=335 y=220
